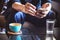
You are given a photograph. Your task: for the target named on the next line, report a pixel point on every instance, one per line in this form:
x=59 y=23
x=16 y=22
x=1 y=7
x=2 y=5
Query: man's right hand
x=27 y=8
x=30 y=9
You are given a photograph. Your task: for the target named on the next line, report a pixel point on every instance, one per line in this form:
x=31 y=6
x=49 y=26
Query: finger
x=30 y=12
x=30 y=8
x=29 y=4
x=42 y=12
x=42 y=15
x=39 y=12
x=39 y=16
x=43 y=9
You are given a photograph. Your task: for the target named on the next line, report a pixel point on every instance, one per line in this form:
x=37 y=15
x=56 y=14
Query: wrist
x=23 y=8
x=18 y=6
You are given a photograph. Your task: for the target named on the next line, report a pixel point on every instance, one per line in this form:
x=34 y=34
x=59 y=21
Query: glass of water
x=49 y=29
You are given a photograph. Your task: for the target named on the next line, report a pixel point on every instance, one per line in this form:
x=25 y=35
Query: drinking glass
x=49 y=28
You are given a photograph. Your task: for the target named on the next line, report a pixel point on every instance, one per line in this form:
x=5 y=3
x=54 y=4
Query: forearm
x=18 y=6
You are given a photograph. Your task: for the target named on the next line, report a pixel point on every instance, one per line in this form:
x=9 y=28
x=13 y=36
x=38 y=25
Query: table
x=26 y=35
x=30 y=35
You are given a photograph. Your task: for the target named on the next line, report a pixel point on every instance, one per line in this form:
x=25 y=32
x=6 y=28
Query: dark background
x=56 y=9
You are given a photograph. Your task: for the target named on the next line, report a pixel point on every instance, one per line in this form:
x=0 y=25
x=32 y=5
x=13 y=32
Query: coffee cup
x=15 y=27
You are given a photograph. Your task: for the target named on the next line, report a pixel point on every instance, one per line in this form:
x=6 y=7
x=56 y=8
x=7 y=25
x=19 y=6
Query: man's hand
x=30 y=9
x=47 y=6
x=42 y=12
x=27 y=8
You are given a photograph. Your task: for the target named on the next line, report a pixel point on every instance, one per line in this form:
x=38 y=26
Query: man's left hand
x=42 y=12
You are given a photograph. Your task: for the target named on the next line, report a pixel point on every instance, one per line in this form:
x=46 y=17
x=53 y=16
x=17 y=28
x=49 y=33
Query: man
x=28 y=11
x=29 y=8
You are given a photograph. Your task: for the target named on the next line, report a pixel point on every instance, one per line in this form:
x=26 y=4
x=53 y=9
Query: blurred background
x=55 y=8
